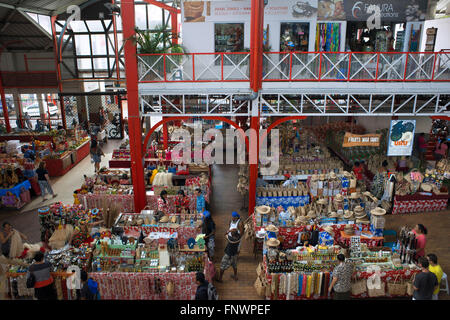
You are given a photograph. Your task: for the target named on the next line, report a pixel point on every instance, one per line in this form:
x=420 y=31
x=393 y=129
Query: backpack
x=212 y=292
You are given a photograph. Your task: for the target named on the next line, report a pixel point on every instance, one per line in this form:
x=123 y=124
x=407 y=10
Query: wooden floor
x=225 y=199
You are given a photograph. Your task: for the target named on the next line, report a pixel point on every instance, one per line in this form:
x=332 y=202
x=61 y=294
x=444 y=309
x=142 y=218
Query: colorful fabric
x=163 y=206
x=181 y=203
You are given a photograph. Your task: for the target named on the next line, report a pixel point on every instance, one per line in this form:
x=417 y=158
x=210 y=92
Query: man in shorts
x=231 y=254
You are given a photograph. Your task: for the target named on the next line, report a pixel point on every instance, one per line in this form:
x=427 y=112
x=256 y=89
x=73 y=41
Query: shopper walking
x=28 y=121
x=425 y=282
x=209 y=229
x=43 y=281
x=236 y=224
x=96 y=155
x=201 y=203
x=231 y=254
x=437 y=270
x=202 y=289
x=44 y=181
x=379 y=180
x=89 y=287
x=421 y=147
x=441 y=149
x=341 y=283
x=420 y=231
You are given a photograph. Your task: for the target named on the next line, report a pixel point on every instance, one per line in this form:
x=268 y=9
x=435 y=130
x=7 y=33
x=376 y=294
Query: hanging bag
x=396 y=287
x=410 y=286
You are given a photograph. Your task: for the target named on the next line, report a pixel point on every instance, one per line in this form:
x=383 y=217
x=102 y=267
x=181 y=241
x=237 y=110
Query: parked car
x=33 y=109
x=9 y=104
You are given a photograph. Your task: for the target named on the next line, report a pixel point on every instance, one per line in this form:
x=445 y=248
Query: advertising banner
x=228 y=11
x=361 y=140
x=401 y=137
x=331 y=10
x=390 y=10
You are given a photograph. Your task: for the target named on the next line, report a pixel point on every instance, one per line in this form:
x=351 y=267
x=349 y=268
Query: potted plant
x=157 y=41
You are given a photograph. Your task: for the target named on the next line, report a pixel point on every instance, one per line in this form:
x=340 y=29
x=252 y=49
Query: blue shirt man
x=201 y=203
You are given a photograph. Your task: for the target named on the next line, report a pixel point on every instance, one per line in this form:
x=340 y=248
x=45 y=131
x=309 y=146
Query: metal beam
x=27 y=9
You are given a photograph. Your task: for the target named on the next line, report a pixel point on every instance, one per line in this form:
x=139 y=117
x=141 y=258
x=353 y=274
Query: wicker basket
x=396 y=287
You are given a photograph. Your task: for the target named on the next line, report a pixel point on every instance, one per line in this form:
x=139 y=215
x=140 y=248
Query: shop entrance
x=95 y=111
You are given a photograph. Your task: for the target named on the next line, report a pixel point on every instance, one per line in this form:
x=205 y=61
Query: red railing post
x=193 y=67
x=164 y=67
x=378 y=63
x=406 y=66
x=221 y=65
x=290 y=66
x=320 y=66
x=349 y=65
x=434 y=65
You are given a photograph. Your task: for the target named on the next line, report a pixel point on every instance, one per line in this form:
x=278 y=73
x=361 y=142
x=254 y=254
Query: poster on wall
x=228 y=11
x=401 y=137
x=390 y=10
x=331 y=10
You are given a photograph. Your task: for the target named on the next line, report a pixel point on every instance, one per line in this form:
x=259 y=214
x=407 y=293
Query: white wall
x=442 y=39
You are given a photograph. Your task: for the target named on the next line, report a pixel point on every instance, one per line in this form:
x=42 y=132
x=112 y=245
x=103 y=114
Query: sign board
x=390 y=10
x=227 y=11
x=401 y=137
x=361 y=140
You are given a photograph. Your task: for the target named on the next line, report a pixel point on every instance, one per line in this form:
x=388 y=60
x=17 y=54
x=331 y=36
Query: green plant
x=158 y=40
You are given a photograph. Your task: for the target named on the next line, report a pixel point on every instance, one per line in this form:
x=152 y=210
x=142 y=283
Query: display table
x=126 y=164
x=59 y=167
x=370 y=241
x=419 y=202
x=26 y=137
x=17 y=196
x=141 y=286
x=125 y=202
x=285 y=202
x=288 y=235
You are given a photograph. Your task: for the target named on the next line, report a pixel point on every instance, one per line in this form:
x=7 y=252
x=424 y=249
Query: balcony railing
x=296 y=66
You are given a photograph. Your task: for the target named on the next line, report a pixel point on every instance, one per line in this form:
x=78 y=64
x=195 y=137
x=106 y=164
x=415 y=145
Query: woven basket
x=373 y=293
x=359 y=287
x=396 y=287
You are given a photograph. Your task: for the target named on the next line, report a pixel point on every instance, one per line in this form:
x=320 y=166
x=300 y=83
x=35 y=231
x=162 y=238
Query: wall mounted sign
x=401 y=137
x=361 y=140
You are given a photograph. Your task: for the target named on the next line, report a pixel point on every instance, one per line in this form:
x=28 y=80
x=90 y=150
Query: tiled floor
x=226 y=199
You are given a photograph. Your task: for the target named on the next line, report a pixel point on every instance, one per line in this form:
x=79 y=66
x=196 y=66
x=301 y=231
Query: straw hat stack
x=314 y=177
x=378 y=212
x=333 y=215
x=329 y=230
x=333 y=175
x=302 y=220
x=348 y=229
x=339 y=198
x=272 y=228
x=349 y=215
x=311 y=214
x=360 y=215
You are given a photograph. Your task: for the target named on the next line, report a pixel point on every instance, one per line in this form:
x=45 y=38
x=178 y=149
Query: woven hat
x=311 y=214
x=263 y=209
x=272 y=242
x=348 y=214
x=354 y=195
x=314 y=177
x=347 y=174
x=362 y=221
x=164 y=219
x=322 y=177
x=348 y=229
x=358 y=209
x=333 y=215
x=427 y=187
x=322 y=201
x=367 y=194
x=378 y=211
x=329 y=230
x=272 y=228
x=333 y=175
x=339 y=198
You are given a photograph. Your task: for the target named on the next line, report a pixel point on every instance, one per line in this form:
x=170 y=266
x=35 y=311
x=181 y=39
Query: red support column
x=165 y=135
x=4 y=106
x=116 y=44
x=134 y=122
x=253 y=167
x=58 y=57
x=174 y=23
x=19 y=106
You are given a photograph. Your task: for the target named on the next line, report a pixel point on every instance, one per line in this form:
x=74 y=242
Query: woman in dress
x=163 y=204
x=182 y=202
